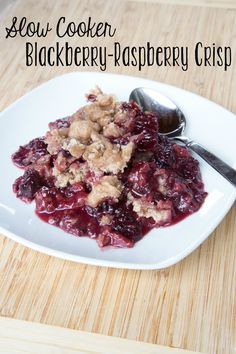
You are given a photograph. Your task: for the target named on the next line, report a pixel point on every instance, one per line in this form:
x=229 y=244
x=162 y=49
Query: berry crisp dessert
x=105 y=172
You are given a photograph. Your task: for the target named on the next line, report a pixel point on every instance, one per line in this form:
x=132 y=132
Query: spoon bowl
x=171 y=120
x=172 y=123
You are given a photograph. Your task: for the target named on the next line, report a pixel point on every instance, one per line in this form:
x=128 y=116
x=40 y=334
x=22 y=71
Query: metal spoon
x=172 y=123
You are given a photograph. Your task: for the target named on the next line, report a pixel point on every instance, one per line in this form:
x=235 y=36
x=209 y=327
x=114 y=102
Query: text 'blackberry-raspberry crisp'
x=106 y=173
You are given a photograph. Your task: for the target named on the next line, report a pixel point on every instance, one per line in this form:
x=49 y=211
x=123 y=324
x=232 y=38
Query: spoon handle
x=225 y=170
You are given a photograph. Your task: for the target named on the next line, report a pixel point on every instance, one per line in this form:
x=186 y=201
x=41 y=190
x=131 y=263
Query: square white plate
x=207 y=123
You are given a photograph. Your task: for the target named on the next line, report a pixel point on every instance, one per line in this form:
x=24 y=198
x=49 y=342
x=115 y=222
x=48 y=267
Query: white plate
x=27 y=118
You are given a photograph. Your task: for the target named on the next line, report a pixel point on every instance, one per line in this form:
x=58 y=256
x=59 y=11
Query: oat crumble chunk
x=105 y=172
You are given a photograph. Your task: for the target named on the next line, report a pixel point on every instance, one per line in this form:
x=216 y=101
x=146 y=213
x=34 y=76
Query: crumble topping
x=82 y=130
x=106 y=220
x=109 y=158
x=112 y=130
x=107 y=187
x=87 y=137
x=161 y=180
x=160 y=212
x=54 y=140
x=74 y=147
x=75 y=173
